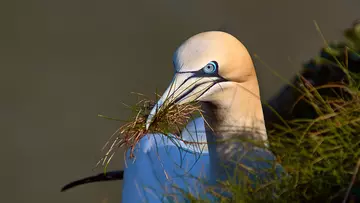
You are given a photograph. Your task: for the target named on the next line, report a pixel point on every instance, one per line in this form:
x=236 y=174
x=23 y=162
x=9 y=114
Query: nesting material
x=169 y=119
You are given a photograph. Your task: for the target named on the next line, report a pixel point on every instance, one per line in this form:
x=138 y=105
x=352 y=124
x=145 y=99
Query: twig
x=352 y=181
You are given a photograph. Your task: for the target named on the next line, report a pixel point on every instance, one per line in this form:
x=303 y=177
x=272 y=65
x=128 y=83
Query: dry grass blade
x=170 y=119
x=353 y=179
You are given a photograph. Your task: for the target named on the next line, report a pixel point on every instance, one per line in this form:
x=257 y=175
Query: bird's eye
x=211 y=67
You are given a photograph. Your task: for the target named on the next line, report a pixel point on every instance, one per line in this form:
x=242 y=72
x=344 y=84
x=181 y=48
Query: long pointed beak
x=168 y=97
x=181 y=90
x=159 y=104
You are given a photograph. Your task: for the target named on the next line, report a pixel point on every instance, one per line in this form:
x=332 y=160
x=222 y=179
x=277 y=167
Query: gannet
x=215 y=69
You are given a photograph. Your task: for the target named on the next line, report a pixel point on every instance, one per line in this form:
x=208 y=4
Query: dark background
x=64 y=61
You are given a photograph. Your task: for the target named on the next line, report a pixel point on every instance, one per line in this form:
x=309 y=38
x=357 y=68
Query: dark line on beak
x=189 y=91
x=196 y=86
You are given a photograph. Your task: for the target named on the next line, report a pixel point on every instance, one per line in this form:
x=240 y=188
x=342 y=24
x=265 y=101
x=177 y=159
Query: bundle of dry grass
x=169 y=120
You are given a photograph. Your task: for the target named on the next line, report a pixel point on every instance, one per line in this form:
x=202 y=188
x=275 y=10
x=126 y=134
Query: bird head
x=206 y=64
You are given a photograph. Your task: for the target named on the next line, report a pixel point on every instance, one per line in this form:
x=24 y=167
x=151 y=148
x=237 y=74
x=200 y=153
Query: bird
x=215 y=69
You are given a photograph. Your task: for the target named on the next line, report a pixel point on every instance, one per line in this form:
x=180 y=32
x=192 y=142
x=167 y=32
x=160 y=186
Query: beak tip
x=149 y=121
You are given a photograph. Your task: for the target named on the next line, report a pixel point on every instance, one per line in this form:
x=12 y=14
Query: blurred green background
x=63 y=62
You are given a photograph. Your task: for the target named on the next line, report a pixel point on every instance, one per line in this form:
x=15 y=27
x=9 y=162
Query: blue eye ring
x=211 y=67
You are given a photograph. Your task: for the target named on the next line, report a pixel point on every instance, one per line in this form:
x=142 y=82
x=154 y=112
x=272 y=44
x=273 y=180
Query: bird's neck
x=240 y=117
x=238 y=109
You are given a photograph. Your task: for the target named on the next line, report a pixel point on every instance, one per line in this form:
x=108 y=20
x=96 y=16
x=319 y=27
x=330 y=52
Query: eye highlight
x=211 y=67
